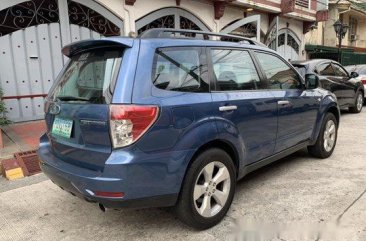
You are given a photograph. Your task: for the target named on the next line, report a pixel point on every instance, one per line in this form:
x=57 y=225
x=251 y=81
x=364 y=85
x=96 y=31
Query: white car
x=359 y=69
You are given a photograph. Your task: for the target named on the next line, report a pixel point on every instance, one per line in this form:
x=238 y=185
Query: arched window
x=245 y=27
x=248 y=30
x=291 y=41
x=170 y=18
x=84 y=16
x=288 y=37
x=88 y=14
x=288 y=44
x=27 y=14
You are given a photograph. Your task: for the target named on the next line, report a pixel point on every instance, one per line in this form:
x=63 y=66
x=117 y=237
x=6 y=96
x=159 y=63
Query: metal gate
x=284 y=41
x=32 y=34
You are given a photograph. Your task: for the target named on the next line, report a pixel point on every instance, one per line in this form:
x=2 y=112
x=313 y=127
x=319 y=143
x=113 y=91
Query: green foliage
x=3 y=111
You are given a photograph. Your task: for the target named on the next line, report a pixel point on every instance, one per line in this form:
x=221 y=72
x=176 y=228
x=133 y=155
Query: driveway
x=292 y=199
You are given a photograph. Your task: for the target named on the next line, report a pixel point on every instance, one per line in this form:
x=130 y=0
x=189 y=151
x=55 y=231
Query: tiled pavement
x=21 y=137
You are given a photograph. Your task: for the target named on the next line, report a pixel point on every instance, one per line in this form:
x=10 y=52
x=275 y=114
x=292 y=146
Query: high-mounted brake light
x=129 y=122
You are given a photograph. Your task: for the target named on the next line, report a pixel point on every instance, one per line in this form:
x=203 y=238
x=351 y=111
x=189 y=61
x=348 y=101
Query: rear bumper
x=144 y=182
x=70 y=184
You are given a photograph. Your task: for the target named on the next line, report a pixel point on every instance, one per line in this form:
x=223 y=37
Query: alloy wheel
x=329 y=135
x=359 y=102
x=211 y=190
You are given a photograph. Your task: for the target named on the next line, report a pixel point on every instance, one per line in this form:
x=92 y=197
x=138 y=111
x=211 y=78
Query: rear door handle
x=228 y=108
x=283 y=102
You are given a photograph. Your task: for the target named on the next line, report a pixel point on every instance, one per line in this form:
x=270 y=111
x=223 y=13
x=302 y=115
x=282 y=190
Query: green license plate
x=62 y=127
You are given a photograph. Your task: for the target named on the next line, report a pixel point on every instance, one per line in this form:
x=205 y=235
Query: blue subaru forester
x=175 y=118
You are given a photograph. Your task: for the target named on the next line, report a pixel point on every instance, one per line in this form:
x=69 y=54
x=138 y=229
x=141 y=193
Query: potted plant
x=3 y=119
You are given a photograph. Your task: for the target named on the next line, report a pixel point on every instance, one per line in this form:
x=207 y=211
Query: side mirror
x=354 y=75
x=311 y=81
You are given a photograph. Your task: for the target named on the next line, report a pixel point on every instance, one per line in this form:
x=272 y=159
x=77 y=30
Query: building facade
x=33 y=32
x=351 y=13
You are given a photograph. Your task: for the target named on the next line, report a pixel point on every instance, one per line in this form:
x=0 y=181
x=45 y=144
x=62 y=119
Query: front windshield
x=88 y=77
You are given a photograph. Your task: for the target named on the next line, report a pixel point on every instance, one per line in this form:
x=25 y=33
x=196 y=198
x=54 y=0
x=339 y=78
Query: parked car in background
x=167 y=121
x=361 y=71
x=332 y=76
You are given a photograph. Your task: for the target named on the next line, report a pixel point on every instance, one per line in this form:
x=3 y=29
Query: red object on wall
x=130 y=2
x=219 y=7
x=322 y=16
x=287 y=6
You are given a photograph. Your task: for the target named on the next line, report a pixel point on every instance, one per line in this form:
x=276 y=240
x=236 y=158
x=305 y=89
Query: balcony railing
x=303 y=3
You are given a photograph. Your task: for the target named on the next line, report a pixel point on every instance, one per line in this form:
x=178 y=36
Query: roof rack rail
x=167 y=33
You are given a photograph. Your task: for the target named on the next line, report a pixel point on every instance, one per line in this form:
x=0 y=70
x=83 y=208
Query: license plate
x=62 y=127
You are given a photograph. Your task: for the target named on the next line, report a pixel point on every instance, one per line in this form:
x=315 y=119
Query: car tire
x=199 y=189
x=327 y=138
x=358 y=103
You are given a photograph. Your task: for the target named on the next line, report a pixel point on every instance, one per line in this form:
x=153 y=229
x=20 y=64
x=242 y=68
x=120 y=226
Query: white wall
x=203 y=10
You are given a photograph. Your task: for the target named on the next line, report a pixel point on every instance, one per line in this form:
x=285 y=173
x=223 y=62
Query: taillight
x=363 y=81
x=129 y=122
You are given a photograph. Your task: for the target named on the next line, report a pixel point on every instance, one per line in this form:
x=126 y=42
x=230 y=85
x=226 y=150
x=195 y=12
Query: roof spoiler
x=81 y=46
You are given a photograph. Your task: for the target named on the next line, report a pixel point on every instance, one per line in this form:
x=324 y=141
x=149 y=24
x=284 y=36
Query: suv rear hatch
x=77 y=109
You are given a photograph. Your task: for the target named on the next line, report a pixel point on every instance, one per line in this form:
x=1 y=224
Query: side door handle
x=283 y=102
x=228 y=108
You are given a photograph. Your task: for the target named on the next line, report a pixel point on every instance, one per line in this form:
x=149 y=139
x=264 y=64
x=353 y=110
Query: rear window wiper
x=71 y=98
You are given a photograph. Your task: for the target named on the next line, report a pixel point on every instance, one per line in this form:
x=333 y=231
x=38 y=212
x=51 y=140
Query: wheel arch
x=334 y=110
x=216 y=143
x=220 y=144
x=329 y=105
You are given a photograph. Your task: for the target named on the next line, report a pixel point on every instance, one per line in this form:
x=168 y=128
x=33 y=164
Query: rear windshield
x=88 y=77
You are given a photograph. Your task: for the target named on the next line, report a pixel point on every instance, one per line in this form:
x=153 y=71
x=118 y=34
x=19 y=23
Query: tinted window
x=326 y=69
x=180 y=69
x=339 y=71
x=279 y=74
x=234 y=70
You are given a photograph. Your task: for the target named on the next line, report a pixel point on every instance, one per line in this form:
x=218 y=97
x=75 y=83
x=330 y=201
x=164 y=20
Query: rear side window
x=88 y=77
x=181 y=69
x=278 y=73
x=234 y=70
x=326 y=69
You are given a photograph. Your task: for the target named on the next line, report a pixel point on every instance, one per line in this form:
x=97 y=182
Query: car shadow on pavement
x=166 y=218
x=278 y=165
